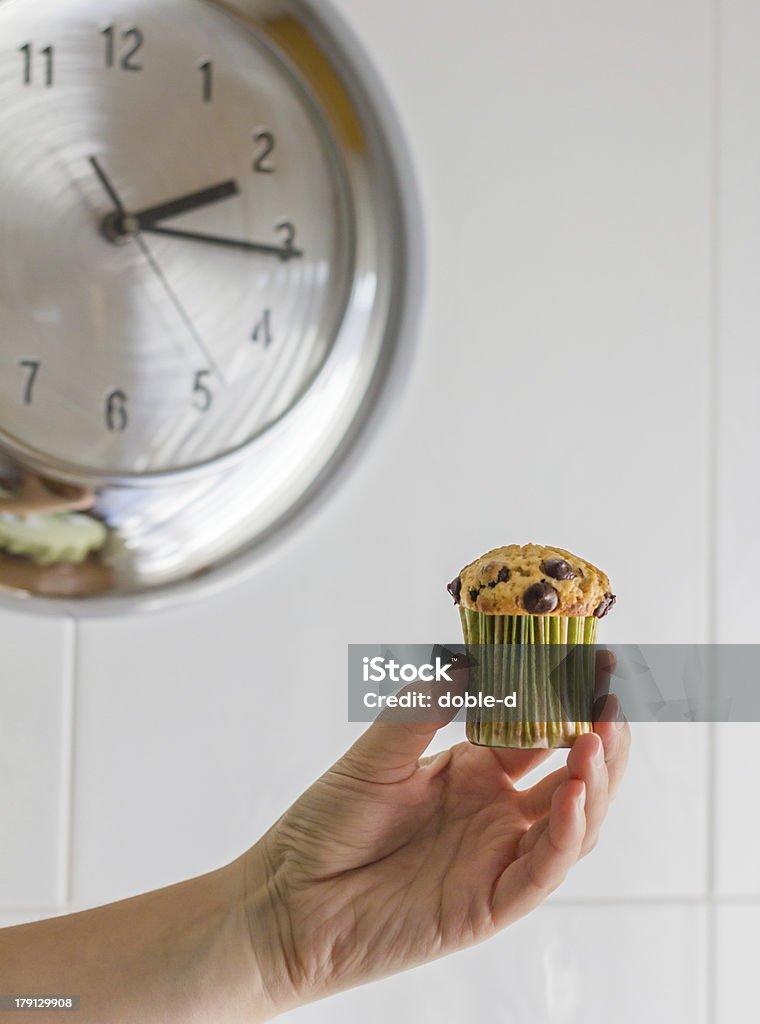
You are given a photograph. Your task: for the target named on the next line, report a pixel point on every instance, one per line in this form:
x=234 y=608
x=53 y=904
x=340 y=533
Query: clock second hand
x=181 y=311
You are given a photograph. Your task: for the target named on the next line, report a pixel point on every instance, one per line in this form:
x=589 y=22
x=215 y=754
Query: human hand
x=385 y=862
x=35 y=495
x=390 y=860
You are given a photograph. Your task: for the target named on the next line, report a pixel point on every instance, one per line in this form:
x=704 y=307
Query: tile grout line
x=64 y=785
x=67 y=796
x=714 y=236
x=711 y=901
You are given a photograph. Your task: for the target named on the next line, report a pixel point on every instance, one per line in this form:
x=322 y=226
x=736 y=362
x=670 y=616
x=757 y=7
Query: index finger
x=389 y=750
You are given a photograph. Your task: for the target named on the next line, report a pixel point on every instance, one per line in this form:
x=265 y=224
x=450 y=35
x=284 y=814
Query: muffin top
x=532 y=579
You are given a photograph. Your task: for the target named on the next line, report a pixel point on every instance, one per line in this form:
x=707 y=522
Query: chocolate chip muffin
x=532 y=579
x=530 y=615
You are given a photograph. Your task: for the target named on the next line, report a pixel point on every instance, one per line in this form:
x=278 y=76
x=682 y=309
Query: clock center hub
x=118 y=228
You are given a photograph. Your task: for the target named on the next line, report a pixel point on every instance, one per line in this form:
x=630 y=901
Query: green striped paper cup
x=546 y=661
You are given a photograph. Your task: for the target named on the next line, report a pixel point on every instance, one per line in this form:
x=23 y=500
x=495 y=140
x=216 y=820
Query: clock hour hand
x=285 y=252
x=183 y=204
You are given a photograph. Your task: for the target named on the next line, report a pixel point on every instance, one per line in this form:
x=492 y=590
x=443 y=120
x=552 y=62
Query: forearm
x=177 y=954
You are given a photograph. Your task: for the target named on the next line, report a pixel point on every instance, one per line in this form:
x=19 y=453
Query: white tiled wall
x=737 y=929
x=566 y=964
x=736 y=827
x=585 y=375
x=35 y=754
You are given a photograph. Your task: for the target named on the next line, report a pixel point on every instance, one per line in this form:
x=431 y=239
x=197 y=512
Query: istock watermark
x=439 y=701
x=536 y=682
x=379 y=669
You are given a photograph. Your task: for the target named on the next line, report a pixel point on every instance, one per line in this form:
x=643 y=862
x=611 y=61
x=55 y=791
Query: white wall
x=586 y=377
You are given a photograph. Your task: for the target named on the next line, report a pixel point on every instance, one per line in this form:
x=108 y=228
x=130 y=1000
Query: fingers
x=615 y=733
x=605 y=666
x=517 y=763
x=389 y=751
x=586 y=762
x=533 y=876
x=531 y=837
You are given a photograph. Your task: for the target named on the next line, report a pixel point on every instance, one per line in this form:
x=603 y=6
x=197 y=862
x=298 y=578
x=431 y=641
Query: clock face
x=178 y=236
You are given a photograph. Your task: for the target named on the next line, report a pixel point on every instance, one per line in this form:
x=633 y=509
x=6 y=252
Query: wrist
x=269 y=934
x=227 y=976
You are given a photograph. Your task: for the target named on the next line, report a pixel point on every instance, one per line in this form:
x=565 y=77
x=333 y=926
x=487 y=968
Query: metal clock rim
x=390 y=374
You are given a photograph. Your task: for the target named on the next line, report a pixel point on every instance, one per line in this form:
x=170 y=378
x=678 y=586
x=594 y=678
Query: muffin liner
x=548 y=661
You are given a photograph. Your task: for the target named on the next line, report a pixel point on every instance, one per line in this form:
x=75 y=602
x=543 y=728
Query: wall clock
x=209 y=252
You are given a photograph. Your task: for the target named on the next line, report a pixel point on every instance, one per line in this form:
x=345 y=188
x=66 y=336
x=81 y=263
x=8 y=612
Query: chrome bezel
x=193 y=529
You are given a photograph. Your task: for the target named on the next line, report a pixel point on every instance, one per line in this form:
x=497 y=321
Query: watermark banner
x=554 y=682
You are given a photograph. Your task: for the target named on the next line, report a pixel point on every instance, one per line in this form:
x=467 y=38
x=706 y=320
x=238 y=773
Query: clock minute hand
x=285 y=252
x=110 y=191
x=183 y=204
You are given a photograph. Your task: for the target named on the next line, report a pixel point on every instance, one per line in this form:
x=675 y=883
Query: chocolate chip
x=558 y=569
x=474 y=592
x=540 y=599
x=455 y=588
x=502 y=577
x=604 y=605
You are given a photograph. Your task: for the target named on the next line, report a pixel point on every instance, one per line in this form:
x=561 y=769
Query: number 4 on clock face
x=262 y=332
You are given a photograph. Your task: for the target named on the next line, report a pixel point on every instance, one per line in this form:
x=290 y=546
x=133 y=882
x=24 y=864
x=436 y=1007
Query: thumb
x=389 y=750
